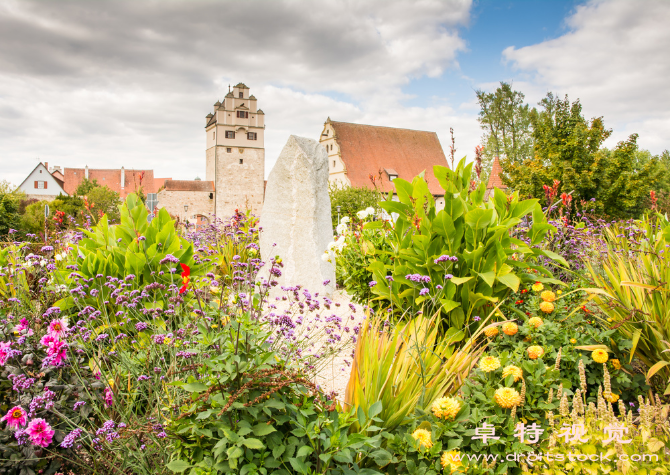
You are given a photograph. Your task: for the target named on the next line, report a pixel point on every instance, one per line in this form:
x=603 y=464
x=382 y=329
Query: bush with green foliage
x=462 y=260
x=9 y=213
x=350 y=201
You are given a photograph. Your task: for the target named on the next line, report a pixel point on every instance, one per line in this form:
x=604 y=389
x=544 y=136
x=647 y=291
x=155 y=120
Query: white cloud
x=128 y=83
x=615 y=60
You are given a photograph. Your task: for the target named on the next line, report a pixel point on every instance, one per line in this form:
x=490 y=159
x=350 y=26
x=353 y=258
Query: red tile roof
x=112 y=179
x=188 y=185
x=495 y=181
x=369 y=149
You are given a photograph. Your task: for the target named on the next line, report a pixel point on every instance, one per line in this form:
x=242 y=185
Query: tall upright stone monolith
x=296 y=222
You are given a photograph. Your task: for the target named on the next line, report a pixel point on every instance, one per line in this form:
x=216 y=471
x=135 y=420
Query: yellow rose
x=513 y=371
x=535 y=321
x=489 y=363
x=510 y=328
x=599 y=356
x=451 y=460
x=534 y=352
x=537 y=286
x=446 y=407
x=424 y=438
x=547 y=307
x=491 y=332
x=507 y=397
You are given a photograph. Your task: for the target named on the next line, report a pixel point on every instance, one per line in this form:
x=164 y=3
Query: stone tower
x=235 y=144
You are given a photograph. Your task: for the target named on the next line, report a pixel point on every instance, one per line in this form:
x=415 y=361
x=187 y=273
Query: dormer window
x=241 y=95
x=391 y=173
x=242 y=114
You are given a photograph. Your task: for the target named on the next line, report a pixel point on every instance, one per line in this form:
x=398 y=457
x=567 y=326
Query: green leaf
x=375 y=409
x=510 y=280
x=304 y=451
x=195 y=387
x=263 y=429
x=235 y=452
x=253 y=443
x=178 y=466
x=297 y=464
x=478 y=218
x=381 y=457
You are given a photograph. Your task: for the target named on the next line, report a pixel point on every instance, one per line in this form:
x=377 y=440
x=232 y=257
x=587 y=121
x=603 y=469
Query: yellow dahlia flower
x=510 y=328
x=507 y=397
x=489 y=363
x=616 y=364
x=446 y=407
x=451 y=460
x=547 y=307
x=424 y=438
x=599 y=356
x=611 y=397
x=537 y=286
x=534 y=352
x=513 y=371
x=535 y=321
x=491 y=332
x=548 y=296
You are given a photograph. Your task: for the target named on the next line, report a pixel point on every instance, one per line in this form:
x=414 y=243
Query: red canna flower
x=185 y=277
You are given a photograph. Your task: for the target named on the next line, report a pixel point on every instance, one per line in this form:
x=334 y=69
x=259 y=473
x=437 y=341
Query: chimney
x=46 y=165
x=86 y=172
x=123 y=178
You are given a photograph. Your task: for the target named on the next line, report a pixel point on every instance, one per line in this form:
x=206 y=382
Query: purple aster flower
x=372 y=283
x=424 y=291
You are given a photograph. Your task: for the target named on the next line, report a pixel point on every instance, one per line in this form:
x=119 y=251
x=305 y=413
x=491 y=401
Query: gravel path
x=335 y=376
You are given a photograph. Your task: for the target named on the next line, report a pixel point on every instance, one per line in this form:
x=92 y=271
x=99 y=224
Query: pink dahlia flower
x=109 y=397
x=4 y=351
x=16 y=417
x=58 y=328
x=57 y=352
x=48 y=339
x=40 y=432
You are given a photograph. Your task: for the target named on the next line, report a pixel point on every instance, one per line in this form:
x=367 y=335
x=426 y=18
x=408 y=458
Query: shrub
x=460 y=259
x=407 y=368
x=350 y=200
x=633 y=292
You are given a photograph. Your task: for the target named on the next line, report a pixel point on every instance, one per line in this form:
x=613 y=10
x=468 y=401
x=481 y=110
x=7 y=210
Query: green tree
x=9 y=213
x=350 y=201
x=505 y=119
x=32 y=220
x=568 y=148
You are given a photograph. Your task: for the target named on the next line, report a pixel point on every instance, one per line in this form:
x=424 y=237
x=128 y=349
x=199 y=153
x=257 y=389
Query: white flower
x=43 y=263
x=331 y=245
x=28 y=264
x=58 y=257
x=341 y=228
x=362 y=214
x=345 y=220
x=326 y=257
x=370 y=210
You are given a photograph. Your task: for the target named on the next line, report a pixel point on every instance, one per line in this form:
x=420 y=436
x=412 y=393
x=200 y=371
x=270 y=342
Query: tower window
x=241 y=161
x=241 y=95
x=333 y=163
x=243 y=114
x=230 y=134
x=331 y=146
x=252 y=136
x=229 y=150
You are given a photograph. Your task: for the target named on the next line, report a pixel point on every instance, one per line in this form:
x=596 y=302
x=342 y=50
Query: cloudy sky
x=128 y=83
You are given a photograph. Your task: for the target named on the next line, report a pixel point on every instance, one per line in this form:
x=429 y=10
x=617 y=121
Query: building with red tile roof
x=356 y=152
x=121 y=180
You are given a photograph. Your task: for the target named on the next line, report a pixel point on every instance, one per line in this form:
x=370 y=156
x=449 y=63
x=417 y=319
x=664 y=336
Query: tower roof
x=241 y=85
x=495 y=181
x=367 y=149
